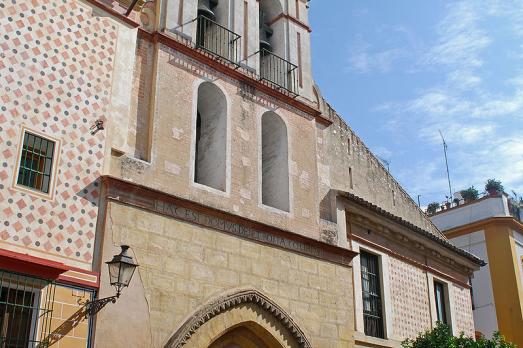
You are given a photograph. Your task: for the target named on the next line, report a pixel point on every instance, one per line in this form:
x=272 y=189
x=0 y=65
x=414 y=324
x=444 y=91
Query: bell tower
x=270 y=38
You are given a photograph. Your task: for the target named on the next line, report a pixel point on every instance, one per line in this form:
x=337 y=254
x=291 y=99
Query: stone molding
x=119 y=190
x=223 y=304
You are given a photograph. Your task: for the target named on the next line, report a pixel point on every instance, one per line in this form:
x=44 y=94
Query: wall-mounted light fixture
x=121 y=270
x=96 y=127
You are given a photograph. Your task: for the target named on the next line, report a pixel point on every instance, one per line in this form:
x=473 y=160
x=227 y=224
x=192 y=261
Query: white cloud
x=363 y=60
x=460 y=38
x=477 y=119
x=458 y=133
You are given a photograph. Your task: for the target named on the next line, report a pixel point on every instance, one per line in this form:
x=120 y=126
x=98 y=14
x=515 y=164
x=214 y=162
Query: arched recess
x=244 y=314
x=216 y=10
x=275 y=162
x=210 y=157
x=269 y=11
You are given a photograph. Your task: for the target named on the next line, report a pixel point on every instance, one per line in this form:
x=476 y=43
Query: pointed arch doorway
x=246 y=335
x=241 y=319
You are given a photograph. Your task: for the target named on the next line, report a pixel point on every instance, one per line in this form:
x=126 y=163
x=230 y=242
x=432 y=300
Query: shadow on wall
x=72 y=322
x=91 y=193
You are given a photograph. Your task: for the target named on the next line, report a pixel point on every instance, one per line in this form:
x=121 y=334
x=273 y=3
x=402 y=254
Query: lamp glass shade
x=114 y=272
x=126 y=273
x=121 y=269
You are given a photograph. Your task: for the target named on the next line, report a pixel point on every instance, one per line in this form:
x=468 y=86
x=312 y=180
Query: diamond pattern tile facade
x=55 y=77
x=410 y=303
x=463 y=312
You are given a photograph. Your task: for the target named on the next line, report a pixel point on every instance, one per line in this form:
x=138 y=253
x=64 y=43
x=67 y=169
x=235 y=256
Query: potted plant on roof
x=493 y=187
x=432 y=208
x=470 y=194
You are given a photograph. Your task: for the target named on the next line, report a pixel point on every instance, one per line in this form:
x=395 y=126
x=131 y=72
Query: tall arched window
x=211 y=137
x=275 y=162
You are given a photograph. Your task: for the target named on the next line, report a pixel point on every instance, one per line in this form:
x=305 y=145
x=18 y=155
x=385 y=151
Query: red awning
x=31 y=265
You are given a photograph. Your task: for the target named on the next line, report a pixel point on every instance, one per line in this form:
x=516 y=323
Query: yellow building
x=491 y=228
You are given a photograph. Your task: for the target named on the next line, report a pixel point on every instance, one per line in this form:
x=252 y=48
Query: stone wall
x=183 y=266
x=345 y=163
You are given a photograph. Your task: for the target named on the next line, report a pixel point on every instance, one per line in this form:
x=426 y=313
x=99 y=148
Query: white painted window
x=371 y=291
x=372 y=303
x=275 y=162
x=36 y=166
x=211 y=137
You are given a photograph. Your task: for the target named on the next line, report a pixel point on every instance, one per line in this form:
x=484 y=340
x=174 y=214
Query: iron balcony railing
x=278 y=71
x=217 y=40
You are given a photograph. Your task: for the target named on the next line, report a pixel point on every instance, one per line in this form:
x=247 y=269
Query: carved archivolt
x=222 y=304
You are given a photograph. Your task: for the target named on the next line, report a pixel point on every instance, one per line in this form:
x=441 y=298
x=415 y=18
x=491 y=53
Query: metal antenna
x=446 y=162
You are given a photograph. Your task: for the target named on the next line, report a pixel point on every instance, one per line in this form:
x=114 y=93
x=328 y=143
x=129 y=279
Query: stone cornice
x=225 y=303
x=158 y=202
x=411 y=228
x=401 y=239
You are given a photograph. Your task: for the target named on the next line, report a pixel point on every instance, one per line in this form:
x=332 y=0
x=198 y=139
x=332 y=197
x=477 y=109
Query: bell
x=204 y=9
x=265 y=33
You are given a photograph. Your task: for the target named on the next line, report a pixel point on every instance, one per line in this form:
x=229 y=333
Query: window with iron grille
x=441 y=304
x=36 y=163
x=25 y=310
x=371 y=292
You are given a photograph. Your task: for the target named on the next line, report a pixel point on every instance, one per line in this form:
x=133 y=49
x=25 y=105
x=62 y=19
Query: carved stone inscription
x=234 y=228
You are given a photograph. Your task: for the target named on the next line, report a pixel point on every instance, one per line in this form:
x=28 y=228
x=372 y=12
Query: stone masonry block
x=201 y=271
x=215 y=257
x=308 y=265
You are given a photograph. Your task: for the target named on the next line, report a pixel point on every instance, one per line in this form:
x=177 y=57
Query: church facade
x=199 y=139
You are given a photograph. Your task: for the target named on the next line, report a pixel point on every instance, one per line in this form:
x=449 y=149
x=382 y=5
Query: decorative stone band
x=223 y=304
x=114 y=189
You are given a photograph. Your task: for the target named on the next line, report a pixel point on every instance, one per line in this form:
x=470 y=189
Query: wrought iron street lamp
x=121 y=270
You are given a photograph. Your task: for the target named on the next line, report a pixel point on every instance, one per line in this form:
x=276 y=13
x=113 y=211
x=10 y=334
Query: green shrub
x=493 y=185
x=441 y=337
x=432 y=208
x=470 y=194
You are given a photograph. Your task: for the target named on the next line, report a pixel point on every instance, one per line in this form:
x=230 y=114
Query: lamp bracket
x=93 y=307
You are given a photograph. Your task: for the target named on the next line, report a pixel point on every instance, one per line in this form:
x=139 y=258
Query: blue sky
x=400 y=70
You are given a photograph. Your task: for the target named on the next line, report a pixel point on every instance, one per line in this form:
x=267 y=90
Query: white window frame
x=449 y=301
x=383 y=261
x=52 y=182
